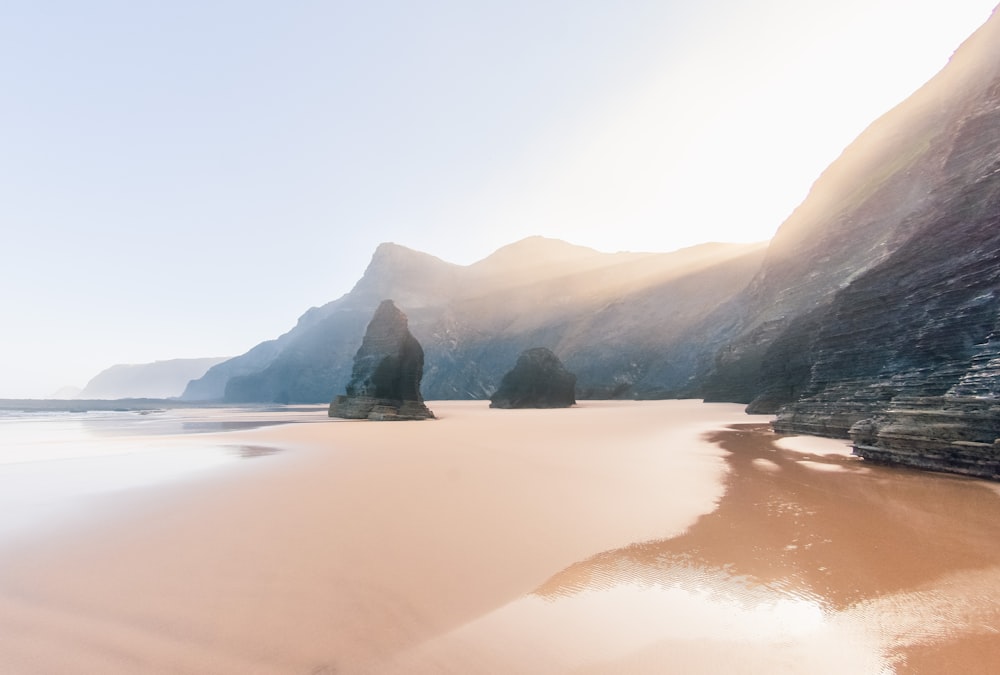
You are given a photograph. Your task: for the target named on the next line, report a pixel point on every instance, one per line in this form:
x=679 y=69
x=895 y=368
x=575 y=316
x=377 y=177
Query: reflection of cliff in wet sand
x=812 y=562
x=911 y=560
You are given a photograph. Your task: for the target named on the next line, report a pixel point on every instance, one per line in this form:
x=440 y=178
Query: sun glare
x=724 y=145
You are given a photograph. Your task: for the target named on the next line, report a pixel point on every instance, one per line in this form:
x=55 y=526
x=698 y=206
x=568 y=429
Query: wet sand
x=610 y=537
x=813 y=562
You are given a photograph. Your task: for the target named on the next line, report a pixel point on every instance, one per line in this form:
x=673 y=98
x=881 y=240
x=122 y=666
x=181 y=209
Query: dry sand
x=605 y=538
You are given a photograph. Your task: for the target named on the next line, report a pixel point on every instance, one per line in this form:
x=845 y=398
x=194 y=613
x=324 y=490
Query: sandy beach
x=633 y=537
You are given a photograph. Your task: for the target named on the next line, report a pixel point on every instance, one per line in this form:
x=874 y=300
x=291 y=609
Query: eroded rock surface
x=953 y=434
x=388 y=367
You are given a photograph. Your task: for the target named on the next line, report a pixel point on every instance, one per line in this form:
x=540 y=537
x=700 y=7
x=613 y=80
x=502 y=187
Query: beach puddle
x=181 y=422
x=253 y=451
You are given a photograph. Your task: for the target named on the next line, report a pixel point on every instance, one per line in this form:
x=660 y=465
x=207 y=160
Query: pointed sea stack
x=385 y=380
x=538 y=380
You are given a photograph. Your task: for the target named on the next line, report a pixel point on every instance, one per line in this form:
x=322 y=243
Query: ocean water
x=52 y=464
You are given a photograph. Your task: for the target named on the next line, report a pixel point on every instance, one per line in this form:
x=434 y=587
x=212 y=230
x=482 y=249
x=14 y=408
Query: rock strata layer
x=388 y=367
x=538 y=380
x=957 y=435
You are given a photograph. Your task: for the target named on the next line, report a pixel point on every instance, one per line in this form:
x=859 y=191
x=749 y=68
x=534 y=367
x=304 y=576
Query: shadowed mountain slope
x=624 y=322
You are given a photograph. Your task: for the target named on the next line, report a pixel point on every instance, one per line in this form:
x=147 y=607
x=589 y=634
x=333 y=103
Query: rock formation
x=388 y=367
x=538 y=380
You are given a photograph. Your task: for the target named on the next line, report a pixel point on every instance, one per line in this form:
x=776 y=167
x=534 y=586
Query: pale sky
x=184 y=179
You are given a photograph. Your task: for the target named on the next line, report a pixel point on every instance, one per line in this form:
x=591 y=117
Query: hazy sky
x=183 y=178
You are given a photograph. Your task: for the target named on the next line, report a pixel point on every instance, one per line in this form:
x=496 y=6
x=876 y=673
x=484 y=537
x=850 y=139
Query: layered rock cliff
x=883 y=193
x=905 y=354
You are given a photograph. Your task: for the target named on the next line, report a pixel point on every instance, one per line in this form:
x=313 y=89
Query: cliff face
x=628 y=324
x=911 y=339
x=905 y=356
x=923 y=324
x=907 y=169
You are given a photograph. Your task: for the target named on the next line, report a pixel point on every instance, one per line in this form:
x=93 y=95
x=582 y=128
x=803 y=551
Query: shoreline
x=460 y=545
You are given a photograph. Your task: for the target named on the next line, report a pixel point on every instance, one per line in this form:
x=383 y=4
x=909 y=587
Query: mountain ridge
x=462 y=313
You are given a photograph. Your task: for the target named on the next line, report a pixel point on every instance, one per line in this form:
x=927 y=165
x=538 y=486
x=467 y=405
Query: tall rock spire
x=385 y=380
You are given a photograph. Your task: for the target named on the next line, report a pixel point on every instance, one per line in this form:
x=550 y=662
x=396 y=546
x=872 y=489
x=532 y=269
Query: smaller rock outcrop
x=538 y=380
x=385 y=379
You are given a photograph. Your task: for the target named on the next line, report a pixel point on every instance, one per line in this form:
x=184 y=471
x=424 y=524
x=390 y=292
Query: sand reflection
x=813 y=562
x=880 y=569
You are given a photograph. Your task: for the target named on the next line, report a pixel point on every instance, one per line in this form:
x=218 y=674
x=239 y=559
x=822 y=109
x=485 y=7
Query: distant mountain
x=161 y=379
x=65 y=393
x=628 y=324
